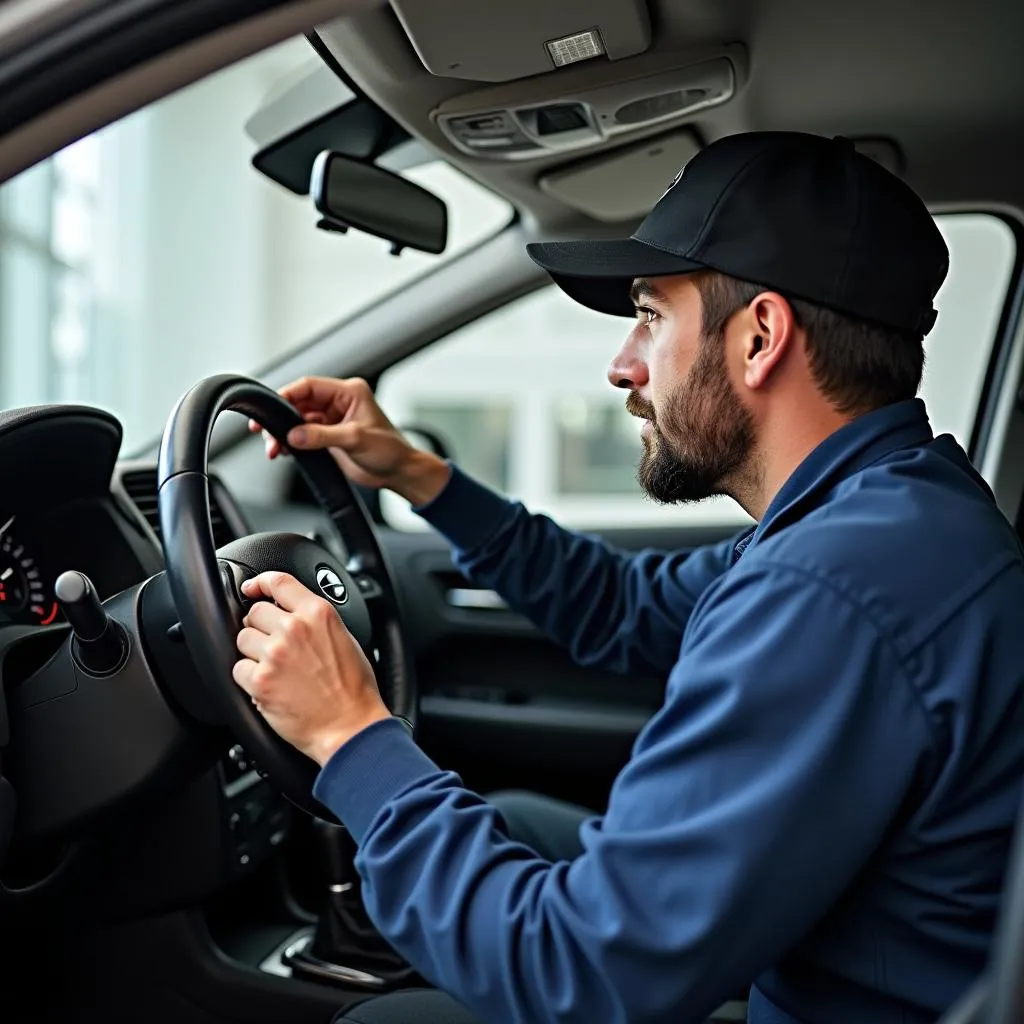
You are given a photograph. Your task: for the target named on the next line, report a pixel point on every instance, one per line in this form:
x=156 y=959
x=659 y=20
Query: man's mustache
x=637 y=406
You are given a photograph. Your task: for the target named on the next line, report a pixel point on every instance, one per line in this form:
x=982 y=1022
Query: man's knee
x=550 y=827
x=516 y=806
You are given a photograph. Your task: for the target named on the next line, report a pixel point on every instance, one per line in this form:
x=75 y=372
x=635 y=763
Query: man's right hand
x=344 y=417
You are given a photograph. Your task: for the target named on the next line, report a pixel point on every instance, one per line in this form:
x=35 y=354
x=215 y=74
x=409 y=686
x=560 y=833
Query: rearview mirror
x=350 y=193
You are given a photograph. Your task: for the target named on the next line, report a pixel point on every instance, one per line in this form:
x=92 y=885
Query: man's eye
x=648 y=316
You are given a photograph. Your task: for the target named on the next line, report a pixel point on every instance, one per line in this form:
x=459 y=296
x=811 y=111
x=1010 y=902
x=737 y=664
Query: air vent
x=140 y=484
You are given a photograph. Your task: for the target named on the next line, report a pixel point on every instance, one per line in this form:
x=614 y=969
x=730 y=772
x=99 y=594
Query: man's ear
x=768 y=327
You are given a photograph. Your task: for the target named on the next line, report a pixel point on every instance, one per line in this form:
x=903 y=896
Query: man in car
x=824 y=802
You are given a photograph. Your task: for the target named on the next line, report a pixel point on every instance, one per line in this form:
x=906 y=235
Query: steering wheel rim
x=204 y=583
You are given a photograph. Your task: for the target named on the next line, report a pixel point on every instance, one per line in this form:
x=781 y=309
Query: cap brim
x=599 y=274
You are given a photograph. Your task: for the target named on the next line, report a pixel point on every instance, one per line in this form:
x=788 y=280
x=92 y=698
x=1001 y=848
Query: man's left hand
x=303 y=669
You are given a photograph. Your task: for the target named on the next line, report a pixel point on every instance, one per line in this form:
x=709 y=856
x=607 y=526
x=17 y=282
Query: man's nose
x=628 y=370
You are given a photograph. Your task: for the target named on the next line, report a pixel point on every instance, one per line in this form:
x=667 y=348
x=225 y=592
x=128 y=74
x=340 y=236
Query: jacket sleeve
x=612 y=610
x=787 y=744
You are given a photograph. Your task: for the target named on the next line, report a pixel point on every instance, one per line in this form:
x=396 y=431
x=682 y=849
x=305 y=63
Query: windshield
x=151 y=254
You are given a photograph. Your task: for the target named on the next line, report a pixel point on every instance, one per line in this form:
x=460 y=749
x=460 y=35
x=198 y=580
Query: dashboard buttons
x=238 y=756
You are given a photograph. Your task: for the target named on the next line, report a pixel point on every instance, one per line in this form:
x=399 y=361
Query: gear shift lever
x=346 y=946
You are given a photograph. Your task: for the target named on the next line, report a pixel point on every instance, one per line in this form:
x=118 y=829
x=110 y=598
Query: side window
x=521 y=398
x=982 y=250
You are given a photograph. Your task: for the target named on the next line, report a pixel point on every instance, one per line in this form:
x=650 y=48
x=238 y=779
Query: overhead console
x=504 y=40
x=579 y=109
x=595 y=186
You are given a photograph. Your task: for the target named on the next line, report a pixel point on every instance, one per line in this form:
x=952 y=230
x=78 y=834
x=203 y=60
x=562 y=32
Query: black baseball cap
x=804 y=215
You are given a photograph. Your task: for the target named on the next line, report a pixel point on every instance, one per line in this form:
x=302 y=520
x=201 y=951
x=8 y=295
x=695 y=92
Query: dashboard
x=37 y=545
x=66 y=508
x=101 y=519
x=78 y=505
x=24 y=594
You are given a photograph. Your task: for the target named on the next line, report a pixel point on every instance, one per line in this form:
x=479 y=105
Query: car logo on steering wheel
x=330 y=585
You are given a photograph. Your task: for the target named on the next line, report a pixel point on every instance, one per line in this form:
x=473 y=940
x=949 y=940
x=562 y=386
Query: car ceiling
x=943 y=81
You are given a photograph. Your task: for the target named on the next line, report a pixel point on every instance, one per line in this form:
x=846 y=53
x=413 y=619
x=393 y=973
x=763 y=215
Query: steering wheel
x=205 y=583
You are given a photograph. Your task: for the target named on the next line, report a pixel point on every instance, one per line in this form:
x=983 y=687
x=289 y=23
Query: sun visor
x=625 y=184
x=502 y=40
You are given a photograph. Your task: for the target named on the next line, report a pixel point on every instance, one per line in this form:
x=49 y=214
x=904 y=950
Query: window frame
x=1011 y=318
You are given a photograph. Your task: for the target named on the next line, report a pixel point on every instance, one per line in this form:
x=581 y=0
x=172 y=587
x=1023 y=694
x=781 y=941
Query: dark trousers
x=550 y=827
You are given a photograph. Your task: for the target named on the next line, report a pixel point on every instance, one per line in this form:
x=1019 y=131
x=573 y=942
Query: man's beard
x=703 y=440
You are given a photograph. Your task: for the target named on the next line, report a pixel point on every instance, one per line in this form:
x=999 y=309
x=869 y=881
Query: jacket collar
x=862 y=442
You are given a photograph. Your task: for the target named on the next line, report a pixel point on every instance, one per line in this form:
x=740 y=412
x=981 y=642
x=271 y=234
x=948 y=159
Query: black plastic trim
x=573 y=718
x=1007 y=969
x=1002 y=348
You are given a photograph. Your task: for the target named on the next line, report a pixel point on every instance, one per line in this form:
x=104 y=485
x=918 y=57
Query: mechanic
x=823 y=804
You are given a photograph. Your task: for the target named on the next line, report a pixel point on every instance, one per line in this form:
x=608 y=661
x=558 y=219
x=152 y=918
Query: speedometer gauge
x=24 y=597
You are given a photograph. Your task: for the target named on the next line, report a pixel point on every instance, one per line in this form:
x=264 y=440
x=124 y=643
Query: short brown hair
x=858 y=365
